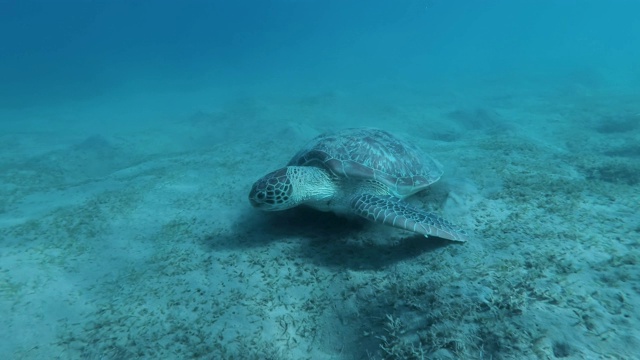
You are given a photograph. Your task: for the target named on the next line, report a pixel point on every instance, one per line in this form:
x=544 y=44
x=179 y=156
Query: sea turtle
x=362 y=171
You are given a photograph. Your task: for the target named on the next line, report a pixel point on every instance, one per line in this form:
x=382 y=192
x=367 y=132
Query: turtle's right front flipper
x=389 y=210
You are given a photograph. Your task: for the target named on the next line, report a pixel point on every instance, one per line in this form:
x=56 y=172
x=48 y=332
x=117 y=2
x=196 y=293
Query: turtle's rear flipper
x=389 y=210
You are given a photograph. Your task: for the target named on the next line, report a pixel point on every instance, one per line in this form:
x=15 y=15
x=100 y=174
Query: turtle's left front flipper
x=389 y=210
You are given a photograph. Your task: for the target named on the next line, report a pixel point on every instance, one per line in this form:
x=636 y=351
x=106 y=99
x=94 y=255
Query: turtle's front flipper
x=389 y=210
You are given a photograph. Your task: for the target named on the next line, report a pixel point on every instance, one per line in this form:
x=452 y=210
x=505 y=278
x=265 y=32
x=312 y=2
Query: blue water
x=60 y=51
x=131 y=132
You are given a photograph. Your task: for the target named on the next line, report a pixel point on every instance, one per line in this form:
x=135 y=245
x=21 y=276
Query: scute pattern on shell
x=364 y=153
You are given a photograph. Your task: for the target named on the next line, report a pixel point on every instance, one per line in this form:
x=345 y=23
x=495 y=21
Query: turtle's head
x=273 y=192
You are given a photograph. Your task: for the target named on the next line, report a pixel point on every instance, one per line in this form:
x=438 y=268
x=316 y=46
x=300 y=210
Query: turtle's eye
x=260 y=196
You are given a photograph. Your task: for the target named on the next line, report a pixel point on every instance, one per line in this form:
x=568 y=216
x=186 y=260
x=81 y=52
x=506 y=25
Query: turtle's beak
x=253 y=202
x=257 y=195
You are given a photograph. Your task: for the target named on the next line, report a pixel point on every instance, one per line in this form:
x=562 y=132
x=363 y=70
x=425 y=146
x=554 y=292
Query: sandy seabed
x=140 y=243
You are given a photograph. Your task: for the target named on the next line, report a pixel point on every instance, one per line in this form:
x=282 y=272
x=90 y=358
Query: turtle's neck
x=311 y=184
